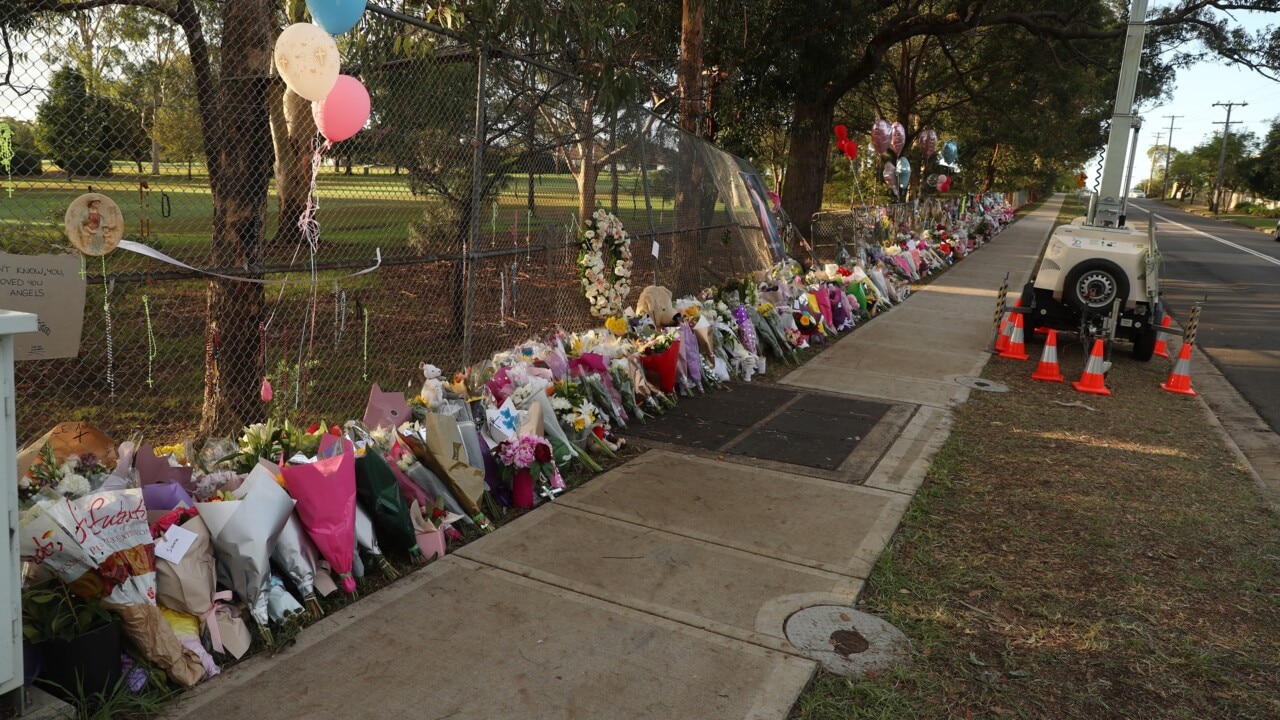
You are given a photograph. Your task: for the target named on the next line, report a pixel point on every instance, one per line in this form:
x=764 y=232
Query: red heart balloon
x=842 y=132
x=851 y=150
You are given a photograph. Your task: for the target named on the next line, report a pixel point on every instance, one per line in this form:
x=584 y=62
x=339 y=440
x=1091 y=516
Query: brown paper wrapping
x=189 y=586
x=534 y=422
x=446 y=456
x=151 y=634
x=69 y=438
x=639 y=383
x=705 y=343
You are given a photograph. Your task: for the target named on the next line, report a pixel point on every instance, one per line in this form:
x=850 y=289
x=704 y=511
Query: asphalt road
x=1238 y=269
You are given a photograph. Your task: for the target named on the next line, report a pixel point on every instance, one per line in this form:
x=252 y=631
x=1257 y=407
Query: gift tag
x=175 y=544
x=655 y=250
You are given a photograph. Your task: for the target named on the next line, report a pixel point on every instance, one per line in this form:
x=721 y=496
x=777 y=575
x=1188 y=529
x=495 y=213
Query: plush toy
x=655 y=301
x=433 y=386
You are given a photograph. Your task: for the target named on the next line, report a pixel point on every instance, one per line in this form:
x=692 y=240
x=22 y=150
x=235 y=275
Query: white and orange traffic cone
x=1180 y=378
x=1162 y=347
x=1017 y=348
x=1048 y=371
x=1091 y=381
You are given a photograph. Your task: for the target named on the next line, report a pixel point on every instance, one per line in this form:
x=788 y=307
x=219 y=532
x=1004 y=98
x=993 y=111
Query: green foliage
x=25 y=163
x=91 y=163
x=52 y=612
x=1262 y=171
x=82 y=131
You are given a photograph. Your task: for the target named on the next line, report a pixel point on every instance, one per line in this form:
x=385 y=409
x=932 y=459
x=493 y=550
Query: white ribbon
x=148 y=251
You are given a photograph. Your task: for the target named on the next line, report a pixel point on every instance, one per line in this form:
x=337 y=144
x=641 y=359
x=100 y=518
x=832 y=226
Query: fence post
x=648 y=200
x=477 y=182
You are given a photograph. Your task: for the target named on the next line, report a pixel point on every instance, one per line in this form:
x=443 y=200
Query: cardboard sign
x=51 y=287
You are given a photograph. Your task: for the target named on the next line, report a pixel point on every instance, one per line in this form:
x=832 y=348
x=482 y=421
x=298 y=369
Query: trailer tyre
x=1094 y=285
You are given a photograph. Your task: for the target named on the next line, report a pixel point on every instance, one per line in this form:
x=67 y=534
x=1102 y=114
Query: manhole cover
x=845 y=641
x=978 y=383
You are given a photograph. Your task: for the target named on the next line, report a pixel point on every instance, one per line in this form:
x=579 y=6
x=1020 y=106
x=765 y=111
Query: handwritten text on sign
x=51 y=287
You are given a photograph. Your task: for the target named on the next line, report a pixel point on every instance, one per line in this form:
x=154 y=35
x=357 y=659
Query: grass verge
x=1253 y=222
x=1060 y=562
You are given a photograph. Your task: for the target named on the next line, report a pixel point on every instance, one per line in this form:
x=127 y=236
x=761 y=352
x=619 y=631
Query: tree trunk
x=989 y=180
x=588 y=175
x=293 y=129
x=689 y=196
x=807 y=162
x=239 y=173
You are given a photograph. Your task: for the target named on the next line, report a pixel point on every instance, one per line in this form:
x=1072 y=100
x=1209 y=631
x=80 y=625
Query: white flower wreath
x=604 y=263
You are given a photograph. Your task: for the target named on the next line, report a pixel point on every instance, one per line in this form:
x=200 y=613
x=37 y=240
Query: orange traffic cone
x=1180 y=379
x=1017 y=349
x=1048 y=370
x=1162 y=347
x=1092 y=381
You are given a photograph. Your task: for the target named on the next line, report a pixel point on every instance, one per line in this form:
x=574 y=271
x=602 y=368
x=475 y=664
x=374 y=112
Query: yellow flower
x=692 y=312
x=177 y=450
x=580 y=424
x=765 y=308
x=617 y=326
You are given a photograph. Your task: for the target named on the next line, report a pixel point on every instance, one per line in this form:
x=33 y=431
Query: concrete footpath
x=661 y=589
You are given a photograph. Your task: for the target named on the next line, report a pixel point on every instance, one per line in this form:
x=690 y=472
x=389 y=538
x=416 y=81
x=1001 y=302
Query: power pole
x=1222 y=156
x=1164 y=186
x=1151 y=175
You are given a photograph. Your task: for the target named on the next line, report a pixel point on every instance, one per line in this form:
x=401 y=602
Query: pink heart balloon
x=943 y=181
x=881 y=134
x=890 y=176
x=898 y=138
x=344 y=111
x=928 y=143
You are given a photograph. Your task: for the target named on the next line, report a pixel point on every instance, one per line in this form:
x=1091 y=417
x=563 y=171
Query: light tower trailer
x=1098 y=276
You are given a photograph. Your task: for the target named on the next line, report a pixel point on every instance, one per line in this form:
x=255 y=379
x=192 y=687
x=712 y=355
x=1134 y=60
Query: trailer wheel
x=1096 y=284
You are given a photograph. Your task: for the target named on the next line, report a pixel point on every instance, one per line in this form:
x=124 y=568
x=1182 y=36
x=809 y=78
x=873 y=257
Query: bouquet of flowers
x=659 y=355
x=72 y=478
x=604 y=263
x=525 y=460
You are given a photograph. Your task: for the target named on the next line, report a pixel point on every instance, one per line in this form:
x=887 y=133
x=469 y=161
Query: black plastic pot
x=85 y=665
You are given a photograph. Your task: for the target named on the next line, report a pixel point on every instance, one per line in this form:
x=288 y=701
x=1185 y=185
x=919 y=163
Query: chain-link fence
x=840 y=235
x=470 y=181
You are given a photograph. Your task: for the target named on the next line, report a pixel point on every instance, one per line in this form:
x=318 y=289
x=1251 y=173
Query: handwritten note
x=175 y=544
x=51 y=287
x=655 y=249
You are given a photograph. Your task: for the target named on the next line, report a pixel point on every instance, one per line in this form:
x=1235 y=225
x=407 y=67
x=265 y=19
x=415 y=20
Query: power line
x=1164 y=186
x=1222 y=156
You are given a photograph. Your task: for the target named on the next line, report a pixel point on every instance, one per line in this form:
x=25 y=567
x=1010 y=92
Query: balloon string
x=307 y=222
x=151 y=341
x=106 y=314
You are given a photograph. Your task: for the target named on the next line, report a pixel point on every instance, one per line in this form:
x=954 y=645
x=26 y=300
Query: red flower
x=542 y=453
x=437 y=513
x=335 y=431
x=313 y=428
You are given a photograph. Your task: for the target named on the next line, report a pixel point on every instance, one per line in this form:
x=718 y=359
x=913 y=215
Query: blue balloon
x=950 y=152
x=336 y=16
x=904 y=173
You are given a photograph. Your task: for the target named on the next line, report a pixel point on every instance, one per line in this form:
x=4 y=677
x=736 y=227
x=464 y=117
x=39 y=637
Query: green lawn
x=359 y=211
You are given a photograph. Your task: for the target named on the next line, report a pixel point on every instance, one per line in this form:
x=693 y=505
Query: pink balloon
x=928 y=143
x=898 y=138
x=890 y=175
x=344 y=111
x=881 y=133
